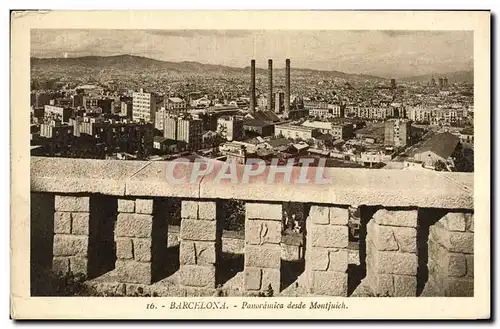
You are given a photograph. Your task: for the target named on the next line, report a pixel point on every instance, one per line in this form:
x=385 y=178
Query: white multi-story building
x=144 y=106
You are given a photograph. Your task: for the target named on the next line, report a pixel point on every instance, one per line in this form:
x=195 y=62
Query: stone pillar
x=71 y=234
x=263 y=226
x=391 y=253
x=451 y=256
x=200 y=243
x=326 y=250
x=134 y=241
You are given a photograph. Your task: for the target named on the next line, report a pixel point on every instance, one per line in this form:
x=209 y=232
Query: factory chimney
x=252 y=85
x=270 y=91
x=287 y=86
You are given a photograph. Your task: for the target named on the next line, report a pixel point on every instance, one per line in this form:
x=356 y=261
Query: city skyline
x=382 y=53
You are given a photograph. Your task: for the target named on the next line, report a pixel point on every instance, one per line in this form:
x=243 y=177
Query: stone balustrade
x=109 y=220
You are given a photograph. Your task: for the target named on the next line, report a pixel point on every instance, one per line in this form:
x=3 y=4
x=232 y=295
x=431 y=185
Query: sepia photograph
x=323 y=165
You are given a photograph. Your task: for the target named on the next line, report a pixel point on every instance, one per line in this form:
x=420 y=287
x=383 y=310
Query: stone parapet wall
x=326 y=250
x=451 y=256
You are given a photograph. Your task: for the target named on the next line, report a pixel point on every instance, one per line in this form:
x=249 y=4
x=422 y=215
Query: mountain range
x=138 y=64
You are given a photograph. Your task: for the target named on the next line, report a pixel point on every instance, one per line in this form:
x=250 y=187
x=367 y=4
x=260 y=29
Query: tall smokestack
x=287 y=85
x=270 y=92
x=252 y=85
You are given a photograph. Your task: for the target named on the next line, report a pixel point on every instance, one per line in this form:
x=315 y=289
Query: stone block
x=60 y=265
x=124 y=249
x=62 y=222
x=197 y=253
x=80 y=223
x=317 y=259
x=339 y=216
x=134 y=225
x=452 y=241
x=263 y=256
x=406 y=238
x=126 y=205
x=271 y=276
x=72 y=203
x=252 y=278
x=405 y=286
x=330 y=283
x=259 y=232
x=469 y=218
x=142 y=250
x=202 y=230
x=393 y=262
x=207 y=210
x=130 y=271
x=197 y=276
x=320 y=215
x=290 y=252
x=329 y=236
x=338 y=260
x=70 y=245
x=263 y=211
x=470 y=265
x=459 y=287
x=189 y=209
x=457 y=265
x=144 y=206
x=382 y=236
x=386 y=217
x=382 y=285
x=454 y=222
x=78 y=265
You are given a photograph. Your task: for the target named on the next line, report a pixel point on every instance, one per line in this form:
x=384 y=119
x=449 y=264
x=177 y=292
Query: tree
x=440 y=166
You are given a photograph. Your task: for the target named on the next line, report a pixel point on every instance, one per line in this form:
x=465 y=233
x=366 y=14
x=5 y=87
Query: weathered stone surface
x=459 y=287
x=318 y=259
x=142 y=250
x=386 y=217
x=144 y=206
x=197 y=253
x=80 y=223
x=271 y=276
x=131 y=271
x=406 y=238
x=382 y=236
x=207 y=210
x=452 y=241
x=457 y=265
x=264 y=211
x=60 y=265
x=469 y=218
x=470 y=265
x=203 y=230
x=197 y=276
x=329 y=236
x=172 y=240
x=290 y=253
x=339 y=260
x=71 y=203
x=330 y=283
x=110 y=288
x=62 y=222
x=252 y=278
x=454 y=222
x=405 y=286
x=259 y=232
x=382 y=285
x=124 y=248
x=78 y=265
x=189 y=209
x=320 y=215
x=134 y=225
x=339 y=216
x=70 y=245
x=126 y=205
x=263 y=256
x=393 y=262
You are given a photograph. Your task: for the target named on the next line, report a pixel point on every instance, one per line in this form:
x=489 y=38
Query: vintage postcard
x=250 y=165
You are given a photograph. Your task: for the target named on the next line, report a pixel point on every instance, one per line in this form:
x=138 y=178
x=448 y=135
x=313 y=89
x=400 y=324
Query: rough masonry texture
x=451 y=256
x=71 y=234
x=200 y=244
x=263 y=226
x=326 y=250
x=391 y=253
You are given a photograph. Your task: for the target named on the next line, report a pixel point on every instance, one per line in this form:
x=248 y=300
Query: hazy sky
x=383 y=53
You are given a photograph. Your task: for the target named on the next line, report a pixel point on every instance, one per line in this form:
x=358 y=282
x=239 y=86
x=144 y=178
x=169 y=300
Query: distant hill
x=138 y=64
x=453 y=77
